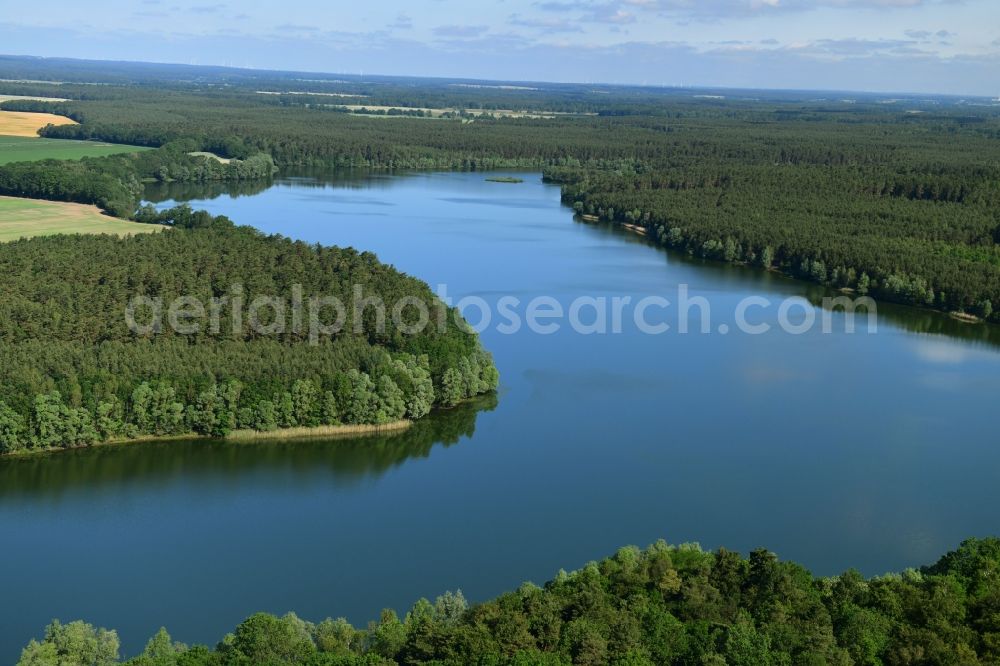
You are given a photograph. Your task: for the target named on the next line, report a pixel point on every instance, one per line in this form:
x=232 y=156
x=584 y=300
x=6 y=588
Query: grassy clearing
x=282 y=434
x=213 y=156
x=320 y=431
x=20 y=123
x=314 y=94
x=25 y=218
x=8 y=98
x=437 y=113
x=24 y=149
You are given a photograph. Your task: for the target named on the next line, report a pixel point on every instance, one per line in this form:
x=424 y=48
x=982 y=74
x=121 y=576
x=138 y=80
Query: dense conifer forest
x=74 y=372
x=896 y=198
x=926 y=239
x=661 y=605
x=115 y=184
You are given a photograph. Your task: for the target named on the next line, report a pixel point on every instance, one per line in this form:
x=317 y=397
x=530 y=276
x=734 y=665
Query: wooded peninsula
x=76 y=374
x=898 y=200
x=895 y=199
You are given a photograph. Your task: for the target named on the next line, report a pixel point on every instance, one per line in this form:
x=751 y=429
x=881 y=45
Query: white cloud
x=857 y=47
x=876 y=45
x=940 y=351
x=402 y=22
x=926 y=35
x=721 y=9
x=548 y=25
x=461 y=31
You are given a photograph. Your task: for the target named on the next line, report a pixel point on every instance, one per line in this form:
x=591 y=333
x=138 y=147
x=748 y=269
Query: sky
x=924 y=46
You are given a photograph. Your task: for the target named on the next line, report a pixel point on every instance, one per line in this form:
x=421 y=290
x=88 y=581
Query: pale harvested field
x=24 y=218
x=200 y=153
x=18 y=123
x=437 y=113
x=8 y=98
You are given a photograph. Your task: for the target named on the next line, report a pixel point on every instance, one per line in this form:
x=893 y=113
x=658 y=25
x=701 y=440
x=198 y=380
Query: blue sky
x=946 y=46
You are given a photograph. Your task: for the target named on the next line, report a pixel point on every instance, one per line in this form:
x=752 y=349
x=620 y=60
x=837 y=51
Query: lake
x=869 y=450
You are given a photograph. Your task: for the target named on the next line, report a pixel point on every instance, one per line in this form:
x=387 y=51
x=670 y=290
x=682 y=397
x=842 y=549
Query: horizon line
x=362 y=75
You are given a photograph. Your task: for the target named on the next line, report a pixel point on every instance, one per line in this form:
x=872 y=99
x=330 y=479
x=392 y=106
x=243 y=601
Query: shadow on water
x=907 y=318
x=871 y=451
x=305 y=178
x=911 y=319
x=346 y=460
x=160 y=192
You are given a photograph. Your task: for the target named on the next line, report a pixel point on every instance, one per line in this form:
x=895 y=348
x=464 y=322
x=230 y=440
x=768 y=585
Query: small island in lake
x=504 y=179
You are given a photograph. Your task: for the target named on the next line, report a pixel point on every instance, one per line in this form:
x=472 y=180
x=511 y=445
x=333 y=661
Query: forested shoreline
x=861 y=198
x=899 y=204
x=662 y=605
x=75 y=373
x=115 y=183
x=935 y=247
x=895 y=199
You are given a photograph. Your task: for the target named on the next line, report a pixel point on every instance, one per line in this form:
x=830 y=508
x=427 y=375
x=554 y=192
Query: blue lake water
x=874 y=451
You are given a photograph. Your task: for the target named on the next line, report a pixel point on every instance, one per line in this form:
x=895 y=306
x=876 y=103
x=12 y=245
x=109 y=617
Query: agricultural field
x=24 y=218
x=9 y=98
x=376 y=109
x=25 y=149
x=20 y=123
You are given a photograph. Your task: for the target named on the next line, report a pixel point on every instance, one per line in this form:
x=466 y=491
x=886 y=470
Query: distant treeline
x=662 y=605
x=861 y=195
x=75 y=373
x=115 y=183
x=26 y=75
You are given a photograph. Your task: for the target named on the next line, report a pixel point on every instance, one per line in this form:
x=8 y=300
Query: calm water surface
x=872 y=451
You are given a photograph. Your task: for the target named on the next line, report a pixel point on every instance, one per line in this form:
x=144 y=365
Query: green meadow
x=27 y=149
